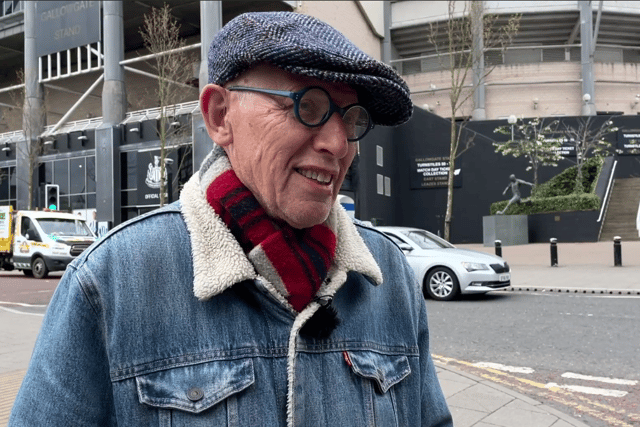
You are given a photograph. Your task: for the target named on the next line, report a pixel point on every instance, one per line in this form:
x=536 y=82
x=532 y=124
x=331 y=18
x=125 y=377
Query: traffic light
x=52 y=196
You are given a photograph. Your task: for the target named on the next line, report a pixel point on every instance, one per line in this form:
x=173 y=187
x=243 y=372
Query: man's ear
x=214 y=104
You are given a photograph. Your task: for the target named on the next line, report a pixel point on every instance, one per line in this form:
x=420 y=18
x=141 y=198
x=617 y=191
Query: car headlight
x=474 y=266
x=60 y=249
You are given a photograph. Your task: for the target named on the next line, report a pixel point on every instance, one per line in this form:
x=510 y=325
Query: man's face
x=294 y=171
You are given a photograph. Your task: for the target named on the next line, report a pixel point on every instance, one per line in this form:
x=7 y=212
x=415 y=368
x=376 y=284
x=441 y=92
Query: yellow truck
x=37 y=242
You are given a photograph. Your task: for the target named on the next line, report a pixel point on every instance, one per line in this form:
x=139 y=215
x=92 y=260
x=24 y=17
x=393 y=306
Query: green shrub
x=564 y=183
x=573 y=202
x=558 y=195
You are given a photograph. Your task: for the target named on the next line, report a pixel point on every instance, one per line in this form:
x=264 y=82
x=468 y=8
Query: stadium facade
x=87 y=98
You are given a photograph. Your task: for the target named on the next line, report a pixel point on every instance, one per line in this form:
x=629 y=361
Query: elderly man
x=255 y=300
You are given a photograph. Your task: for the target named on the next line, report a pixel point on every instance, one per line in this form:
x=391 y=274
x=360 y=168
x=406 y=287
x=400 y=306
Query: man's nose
x=332 y=137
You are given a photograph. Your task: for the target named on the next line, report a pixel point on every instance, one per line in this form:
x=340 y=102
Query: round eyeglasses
x=313 y=107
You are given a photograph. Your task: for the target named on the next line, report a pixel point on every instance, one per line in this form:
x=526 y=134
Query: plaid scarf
x=295 y=261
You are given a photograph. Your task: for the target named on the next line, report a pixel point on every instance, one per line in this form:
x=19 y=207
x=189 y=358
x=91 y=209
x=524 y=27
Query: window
x=27 y=227
x=77 y=175
x=76 y=178
x=380 y=184
x=64 y=227
x=8 y=186
x=387 y=186
x=61 y=175
x=379 y=155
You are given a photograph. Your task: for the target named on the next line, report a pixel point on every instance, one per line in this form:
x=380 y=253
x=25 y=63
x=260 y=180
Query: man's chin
x=306 y=218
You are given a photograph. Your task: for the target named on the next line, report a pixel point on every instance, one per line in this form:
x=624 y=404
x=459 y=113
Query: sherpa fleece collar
x=218 y=260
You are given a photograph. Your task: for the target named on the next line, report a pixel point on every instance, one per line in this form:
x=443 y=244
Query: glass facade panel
x=129 y=198
x=64 y=203
x=91 y=174
x=129 y=171
x=61 y=175
x=12 y=183
x=4 y=183
x=78 y=202
x=91 y=201
x=48 y=172
x=77 y=176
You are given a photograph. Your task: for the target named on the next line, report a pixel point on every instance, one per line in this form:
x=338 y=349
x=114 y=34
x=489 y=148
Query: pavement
x=474 y=401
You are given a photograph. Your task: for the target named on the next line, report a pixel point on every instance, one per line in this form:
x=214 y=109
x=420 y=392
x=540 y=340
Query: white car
x=444 y=270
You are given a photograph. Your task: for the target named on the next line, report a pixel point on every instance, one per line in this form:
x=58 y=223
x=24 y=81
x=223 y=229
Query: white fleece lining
x=301 y=319
x=219 y=261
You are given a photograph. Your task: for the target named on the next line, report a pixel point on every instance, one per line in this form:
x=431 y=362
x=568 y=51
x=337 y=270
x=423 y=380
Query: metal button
x=194 y=394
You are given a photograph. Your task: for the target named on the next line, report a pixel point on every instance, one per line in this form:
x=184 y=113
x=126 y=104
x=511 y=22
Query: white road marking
x=600 y=379
x=589 y=390
x=498 y=366
x=21 y=304
x=20 y=312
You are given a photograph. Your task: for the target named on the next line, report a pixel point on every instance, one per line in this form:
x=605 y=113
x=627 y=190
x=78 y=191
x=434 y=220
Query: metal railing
x=12 y=137
x=8 y=7
x=607 y=197
x=155 y=113
x=71 y=62
x=519 y=55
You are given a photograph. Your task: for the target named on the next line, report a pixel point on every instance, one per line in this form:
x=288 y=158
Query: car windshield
x=64 y=227
x=426 y=240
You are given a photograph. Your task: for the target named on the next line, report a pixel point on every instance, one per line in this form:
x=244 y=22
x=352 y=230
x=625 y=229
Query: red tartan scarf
x=295 y=261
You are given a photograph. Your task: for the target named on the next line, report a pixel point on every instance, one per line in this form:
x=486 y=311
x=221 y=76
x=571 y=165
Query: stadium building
x=84 y=114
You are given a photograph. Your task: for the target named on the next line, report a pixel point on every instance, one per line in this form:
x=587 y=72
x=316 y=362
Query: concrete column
x=210 y=24
x=114 y=107
x=586 y=58
x=386 y=42
x=477 y=29
x=114 y=97
x=33 y=118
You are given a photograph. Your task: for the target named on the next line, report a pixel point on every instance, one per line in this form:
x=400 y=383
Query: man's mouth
x=319 y=177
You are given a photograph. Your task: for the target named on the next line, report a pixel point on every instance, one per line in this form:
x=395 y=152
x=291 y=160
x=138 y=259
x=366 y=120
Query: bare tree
x=161 y=34
x=588 y=140
x=33 y=117
x=455 y=51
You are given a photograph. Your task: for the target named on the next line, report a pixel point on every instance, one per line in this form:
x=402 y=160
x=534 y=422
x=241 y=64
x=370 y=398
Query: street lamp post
x=512 y=121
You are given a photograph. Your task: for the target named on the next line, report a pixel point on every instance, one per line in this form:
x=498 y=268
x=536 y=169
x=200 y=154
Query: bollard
x=498 y=244
x=554 y=251
x=617 y=251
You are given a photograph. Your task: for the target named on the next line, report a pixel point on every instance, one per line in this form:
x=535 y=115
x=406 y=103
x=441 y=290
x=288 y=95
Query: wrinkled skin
x=268 y=148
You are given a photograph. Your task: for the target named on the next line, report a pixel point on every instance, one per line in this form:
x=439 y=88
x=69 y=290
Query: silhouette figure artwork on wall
x=514 y=185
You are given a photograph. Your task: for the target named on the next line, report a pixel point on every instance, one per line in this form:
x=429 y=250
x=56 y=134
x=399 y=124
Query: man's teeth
x=320 y=177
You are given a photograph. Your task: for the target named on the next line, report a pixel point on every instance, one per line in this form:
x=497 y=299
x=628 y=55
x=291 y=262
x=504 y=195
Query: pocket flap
x=195 y=388
x=386 y=370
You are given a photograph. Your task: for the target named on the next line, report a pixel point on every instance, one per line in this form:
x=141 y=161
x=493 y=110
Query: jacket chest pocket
x=380 y=372
x=197 y=395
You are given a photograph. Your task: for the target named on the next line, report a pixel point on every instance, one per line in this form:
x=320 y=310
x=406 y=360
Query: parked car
x=446 y=271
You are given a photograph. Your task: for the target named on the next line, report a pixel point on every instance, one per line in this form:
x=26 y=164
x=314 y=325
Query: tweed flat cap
x=303 y=45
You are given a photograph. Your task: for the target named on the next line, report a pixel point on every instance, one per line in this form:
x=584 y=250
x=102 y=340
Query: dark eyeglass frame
x=297 y=96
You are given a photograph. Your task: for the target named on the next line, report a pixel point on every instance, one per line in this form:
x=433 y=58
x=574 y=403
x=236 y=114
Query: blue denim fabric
x=125 y=342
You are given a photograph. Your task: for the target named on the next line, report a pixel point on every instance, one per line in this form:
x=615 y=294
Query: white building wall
x=346 y=17
x=554 y=88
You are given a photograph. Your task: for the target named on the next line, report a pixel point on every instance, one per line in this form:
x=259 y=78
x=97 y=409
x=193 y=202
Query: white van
x=37 y=242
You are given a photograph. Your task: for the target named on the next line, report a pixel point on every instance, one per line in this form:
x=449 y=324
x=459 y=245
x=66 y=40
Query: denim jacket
x=164 y=322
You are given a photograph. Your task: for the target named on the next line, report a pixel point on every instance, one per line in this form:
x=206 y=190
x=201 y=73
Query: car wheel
x=39 y=268
x=441 y=284
x=28 y=273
